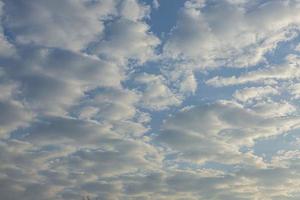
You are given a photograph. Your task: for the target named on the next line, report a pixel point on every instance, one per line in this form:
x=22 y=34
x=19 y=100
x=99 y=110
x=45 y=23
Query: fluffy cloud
x=231 y=33
x=216 y=132
x=295 y=90
x=271 y=108
x=51 y=80
x=110 y=103
x=156 y=95
x=247 y=94
x=42 y=22
x=126 y=39
x=94 y=101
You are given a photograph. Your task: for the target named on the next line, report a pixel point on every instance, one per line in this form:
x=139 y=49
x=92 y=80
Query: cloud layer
x=96 y=102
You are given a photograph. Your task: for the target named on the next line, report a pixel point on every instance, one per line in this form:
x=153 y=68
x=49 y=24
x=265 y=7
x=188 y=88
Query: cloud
x=155 y=4
x=251 y=93
x=41 y=22
x=286 y=71
x=6 y=49
x=95 y=102
x=156 y=95
x=216 y=132
x=295 y=90
x=111 y=104
x=132 y=10
x=231 y=33
x=275 y=109
x=51 y=80
x=13 y=115
x=126 y=39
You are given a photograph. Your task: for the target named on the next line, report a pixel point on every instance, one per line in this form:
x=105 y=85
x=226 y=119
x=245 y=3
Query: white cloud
x=156 y=95
x=231 y=33
x=250 y=93
x=181 y=78
x=42 y=22
x=286 y=71
x=52 y=80
x=275 y=109
x=93 y=103
x=111 y=104
x=216 y=132
x=126 y=39
x=294 y=89
x=132 y=10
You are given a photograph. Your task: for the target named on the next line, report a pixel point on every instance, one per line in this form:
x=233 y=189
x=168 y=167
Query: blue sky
x=149 y=99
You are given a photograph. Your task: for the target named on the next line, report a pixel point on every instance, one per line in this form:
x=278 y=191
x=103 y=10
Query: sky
x=150 y=99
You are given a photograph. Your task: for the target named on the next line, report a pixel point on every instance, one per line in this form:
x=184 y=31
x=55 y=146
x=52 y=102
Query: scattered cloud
x=94 y=101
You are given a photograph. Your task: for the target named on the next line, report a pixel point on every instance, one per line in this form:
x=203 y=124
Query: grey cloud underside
x=93 y=103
